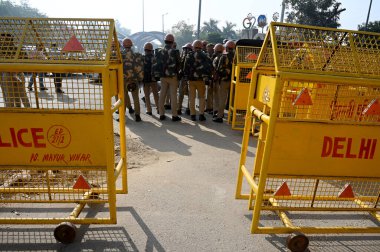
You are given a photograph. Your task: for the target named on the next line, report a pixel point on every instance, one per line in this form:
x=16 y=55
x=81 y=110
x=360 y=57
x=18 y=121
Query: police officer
x=218 y=52
x=149 y=83
x=183 y=83
x=133 y=75
x=204 y=45
x=12 y=83
x=197 y=70
x=210 y=86
x=224 y=71
x=55 y=54
x=165 y=70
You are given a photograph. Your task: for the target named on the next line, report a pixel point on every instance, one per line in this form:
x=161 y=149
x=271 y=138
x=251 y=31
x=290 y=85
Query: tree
x=183 y=33
x=211 y=26
x=8 y=9
x=323 y=13
x=371 y=27
x=214 y=38
x=228 y=31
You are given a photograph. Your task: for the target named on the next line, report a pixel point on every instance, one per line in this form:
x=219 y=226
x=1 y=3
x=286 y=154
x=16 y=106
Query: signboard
x=52 y=140
x=262 y=21
x=316 y=149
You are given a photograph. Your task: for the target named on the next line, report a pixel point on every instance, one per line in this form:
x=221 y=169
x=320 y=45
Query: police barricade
x=57 y=133
x=247 y=52
x=318 y=143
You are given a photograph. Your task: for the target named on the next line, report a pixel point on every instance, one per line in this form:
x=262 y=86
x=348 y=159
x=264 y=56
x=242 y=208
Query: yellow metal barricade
x=318 y=147
x=56 y=132
x=247 y=52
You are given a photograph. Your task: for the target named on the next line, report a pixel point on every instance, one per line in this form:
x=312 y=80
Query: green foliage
x=183 y=33
x=214 y=38
x=371 y=27
x=325 y=13
x=211 y=27
x=228 y=31
x=8 y=9
x=210 y=32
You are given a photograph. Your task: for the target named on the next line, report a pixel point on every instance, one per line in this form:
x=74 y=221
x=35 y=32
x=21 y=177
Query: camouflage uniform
x=149 y=83
x=133 y=75
x=224 y=71
x=12 y=83
x=13 y=87
x=197 y=69
x=166 y=69
x=183 y=84
x=210 y=86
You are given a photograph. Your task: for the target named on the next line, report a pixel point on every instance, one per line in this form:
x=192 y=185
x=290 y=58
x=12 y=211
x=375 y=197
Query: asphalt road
x=182 y=199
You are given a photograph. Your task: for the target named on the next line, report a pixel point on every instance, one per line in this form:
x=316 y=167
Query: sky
x=154 y=15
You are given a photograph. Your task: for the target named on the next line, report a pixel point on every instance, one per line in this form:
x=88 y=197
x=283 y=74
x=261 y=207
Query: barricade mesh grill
x=247 y=54
x=17 y=185
x=240 y=116
x=326 y=193
x=245 y=75
x=323 y=51
x=56 y=41
x=81 y=91
x=328 y=101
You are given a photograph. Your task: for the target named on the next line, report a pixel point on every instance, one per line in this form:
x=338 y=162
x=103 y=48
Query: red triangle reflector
x=81 y=183
x=373 y=108
x=73 y=45
x=251 y=56
x=283 y=190
x=303 y=98
x=249 y=75
x=346 y=192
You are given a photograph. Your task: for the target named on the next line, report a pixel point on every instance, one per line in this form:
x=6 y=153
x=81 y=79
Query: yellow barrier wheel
x=297 y=242
x=65 y=232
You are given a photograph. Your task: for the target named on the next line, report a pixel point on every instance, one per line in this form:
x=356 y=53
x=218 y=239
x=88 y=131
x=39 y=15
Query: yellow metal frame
x=239 y=88
x=51 y=181
x=336 y=67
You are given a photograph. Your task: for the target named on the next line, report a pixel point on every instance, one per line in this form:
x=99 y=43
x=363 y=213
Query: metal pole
x=163 y=28
x=143 y=16
x=163 y=22
x=369 y=11
x=282 y=11
x=199 y=18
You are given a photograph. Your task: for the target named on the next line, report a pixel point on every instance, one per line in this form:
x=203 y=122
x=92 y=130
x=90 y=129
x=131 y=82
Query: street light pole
x=282 y=11
x=369 y=11
x=199 y=18
x=163 y=22
x=143 y=15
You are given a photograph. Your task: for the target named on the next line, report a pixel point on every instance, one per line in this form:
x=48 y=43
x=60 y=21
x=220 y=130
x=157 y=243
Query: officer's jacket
x=167 y=62
x=224 y=68
x=148 y=68
x=197 y=66
x=184 y=53
x=215 y=61
x=133 y=66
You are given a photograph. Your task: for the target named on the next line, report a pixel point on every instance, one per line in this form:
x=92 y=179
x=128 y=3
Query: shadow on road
x=323 y=242
x=167 y=136
x=42 y=239
x=333 y=243
x=88 y=238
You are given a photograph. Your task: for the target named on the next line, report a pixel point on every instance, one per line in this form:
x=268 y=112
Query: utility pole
x=163 y=22
x=282 y=11
x=143 y=16
x=369 y=11
x=199 y=18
